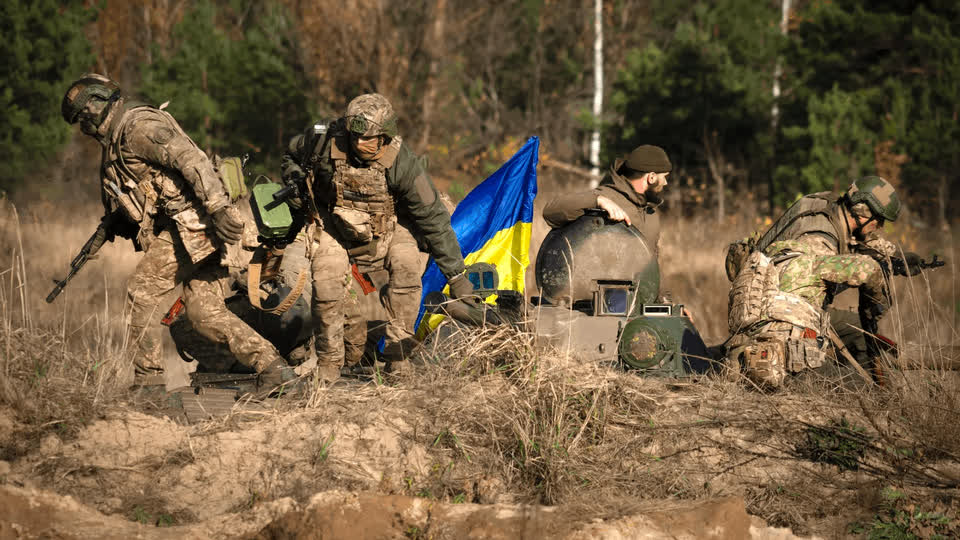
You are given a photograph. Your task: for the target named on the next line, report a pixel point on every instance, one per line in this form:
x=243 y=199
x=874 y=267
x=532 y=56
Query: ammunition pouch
x=770 y=355
x=764 y=363
x=231 y=174
x=195 y=233
x=354 y=225
x=756 y=280
x=775 y=332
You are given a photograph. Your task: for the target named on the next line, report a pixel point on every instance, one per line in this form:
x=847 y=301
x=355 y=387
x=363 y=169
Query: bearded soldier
x=782 y=290
x=369 y=203
x=629 y=192
x=163 y=193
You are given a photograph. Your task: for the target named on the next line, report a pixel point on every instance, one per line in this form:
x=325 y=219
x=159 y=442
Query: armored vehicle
x=599 y=283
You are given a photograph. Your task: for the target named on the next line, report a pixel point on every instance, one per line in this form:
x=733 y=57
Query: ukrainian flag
x=493 y=225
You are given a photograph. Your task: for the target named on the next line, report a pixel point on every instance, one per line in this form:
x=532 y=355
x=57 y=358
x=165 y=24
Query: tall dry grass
x=542 y=426
x=60 y=362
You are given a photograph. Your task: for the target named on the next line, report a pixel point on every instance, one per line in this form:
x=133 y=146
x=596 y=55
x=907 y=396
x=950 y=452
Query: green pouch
x=273 y=217
x=231 y=173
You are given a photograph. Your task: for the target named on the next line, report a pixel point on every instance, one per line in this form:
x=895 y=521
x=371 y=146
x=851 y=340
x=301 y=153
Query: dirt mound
x=32 y=513
x=35 y=513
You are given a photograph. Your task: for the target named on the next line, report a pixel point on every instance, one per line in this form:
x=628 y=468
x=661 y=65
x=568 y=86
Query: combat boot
x=398 y=367
x=327 y=373
x=276 y=377
x=395 y=357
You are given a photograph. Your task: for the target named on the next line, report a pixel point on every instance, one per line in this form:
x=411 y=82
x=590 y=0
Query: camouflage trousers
x=165 y=265
x=341 y=326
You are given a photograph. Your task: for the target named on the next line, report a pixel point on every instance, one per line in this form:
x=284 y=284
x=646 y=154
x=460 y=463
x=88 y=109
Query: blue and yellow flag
x=493 y=225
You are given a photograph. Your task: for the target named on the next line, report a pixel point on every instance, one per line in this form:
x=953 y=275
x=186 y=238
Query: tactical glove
x=460 y=286
x=228 y=225
x=103 y=234
x=293 y=178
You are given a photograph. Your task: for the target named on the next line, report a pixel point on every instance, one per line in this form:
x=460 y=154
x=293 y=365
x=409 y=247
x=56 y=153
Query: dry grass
x=496 y=416
x=60 y=362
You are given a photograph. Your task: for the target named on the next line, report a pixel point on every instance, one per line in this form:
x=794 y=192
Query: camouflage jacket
x=415 y=197
x=151 y=168
x=818 y=221
x=566 y=208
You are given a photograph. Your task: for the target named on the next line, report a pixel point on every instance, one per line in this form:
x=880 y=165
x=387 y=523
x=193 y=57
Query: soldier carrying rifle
x=163 y=193
x=784 y=283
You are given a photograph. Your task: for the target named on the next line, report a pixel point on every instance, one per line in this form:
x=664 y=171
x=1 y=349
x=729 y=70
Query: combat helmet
x=89 y=86
x=371 y=115
x=877 y=194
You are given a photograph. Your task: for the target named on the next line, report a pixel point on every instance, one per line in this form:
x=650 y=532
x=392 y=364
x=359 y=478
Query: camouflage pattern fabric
x=330 y=270
x=165 y=265
x=161 y=181
x=400 y=299
x=371 y=115
x=341 y=331
x=415 y=197
x=810 y=274
x=812 y=263
x=203 y=295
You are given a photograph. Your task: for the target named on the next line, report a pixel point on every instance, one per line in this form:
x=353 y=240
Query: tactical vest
x=362 y=205
x=122 y=188
x=143 y=190
x=815 y=213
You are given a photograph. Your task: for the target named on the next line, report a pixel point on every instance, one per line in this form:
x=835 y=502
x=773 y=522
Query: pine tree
x=233 y=82
x=44 y=49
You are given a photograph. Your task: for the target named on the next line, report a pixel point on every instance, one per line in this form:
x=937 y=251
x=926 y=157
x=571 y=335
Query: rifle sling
x=255 y=295
x=838 y=343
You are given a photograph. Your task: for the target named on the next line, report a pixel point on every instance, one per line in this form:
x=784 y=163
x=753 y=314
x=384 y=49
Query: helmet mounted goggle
x=82 y=92
x=360 y=125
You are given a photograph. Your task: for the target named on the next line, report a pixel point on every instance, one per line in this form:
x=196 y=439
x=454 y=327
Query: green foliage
x=899 y=520
x=838 y=443
x=710 y=79
x=234 y=85
x=890 y=68
x=842 y=145
x=44 y=50
x=140 y=515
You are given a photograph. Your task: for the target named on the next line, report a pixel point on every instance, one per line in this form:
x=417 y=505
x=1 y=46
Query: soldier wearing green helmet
x=162 y=192
x=783 y=286
x=369 y=206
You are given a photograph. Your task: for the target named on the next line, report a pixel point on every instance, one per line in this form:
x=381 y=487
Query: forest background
x=864 y=87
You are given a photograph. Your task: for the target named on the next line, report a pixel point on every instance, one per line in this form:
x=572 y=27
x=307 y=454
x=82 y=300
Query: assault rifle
x=909 y=265
x=89 y=249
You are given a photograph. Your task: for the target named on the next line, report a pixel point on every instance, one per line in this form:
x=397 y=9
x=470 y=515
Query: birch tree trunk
x=597 y=90
x=778 y=68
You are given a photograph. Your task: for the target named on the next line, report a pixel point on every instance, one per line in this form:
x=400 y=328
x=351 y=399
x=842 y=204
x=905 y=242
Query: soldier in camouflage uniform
x=369 y=203
x=163 y=193
x=782 y=290
x=629 y=192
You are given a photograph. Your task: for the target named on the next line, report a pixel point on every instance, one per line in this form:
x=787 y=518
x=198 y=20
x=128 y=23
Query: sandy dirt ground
x=500 y=439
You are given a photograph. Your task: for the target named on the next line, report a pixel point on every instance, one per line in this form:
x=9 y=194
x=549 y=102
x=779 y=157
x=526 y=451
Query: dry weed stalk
x=57 y=371
x=539 y=419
